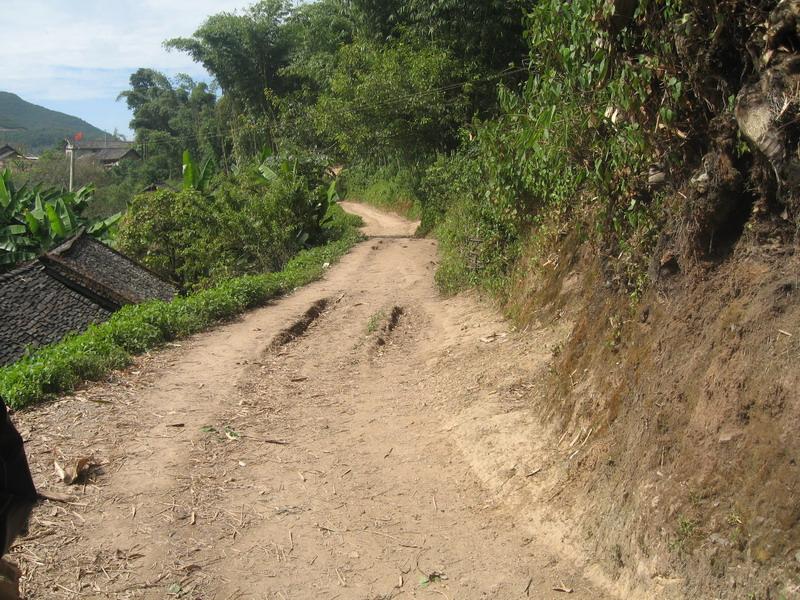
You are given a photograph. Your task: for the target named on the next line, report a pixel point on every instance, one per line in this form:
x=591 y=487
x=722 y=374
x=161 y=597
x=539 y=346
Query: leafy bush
x=134 y=329
x=213 y=230
x=575 y=141
x=197 y=239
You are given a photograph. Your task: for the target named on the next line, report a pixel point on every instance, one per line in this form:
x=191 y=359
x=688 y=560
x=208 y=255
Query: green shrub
x=575 y=141
x=198 y=239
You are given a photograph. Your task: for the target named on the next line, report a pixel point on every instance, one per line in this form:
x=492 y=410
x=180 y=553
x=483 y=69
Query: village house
x=108 y=153
x=10 y=156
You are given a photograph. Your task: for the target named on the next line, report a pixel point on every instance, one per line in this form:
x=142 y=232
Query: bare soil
x=689 y=406
x=381 y=443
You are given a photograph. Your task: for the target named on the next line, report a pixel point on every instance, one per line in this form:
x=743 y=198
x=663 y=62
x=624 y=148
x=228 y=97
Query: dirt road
x=379 y=450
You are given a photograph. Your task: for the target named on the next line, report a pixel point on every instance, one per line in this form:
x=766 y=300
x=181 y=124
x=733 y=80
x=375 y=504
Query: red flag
x=78 y=136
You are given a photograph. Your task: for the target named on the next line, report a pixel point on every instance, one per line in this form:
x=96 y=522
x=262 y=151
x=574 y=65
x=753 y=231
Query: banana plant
x=194 y=178
x=34 y=219
x=303 y=192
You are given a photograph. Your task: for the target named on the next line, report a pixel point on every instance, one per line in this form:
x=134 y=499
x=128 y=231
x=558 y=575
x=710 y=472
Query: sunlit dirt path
x=367 y=455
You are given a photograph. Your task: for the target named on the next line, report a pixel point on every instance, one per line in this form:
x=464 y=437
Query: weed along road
x=361 y=438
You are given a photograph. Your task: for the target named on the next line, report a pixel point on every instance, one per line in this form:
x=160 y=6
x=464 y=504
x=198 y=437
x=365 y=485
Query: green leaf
x=13 y=230
x=333 y=194
x=189 y=175
x=67 y=216
x=267 y=173
x=5 y=195
x=57 y=228
x=34 y=224
x=205 y=176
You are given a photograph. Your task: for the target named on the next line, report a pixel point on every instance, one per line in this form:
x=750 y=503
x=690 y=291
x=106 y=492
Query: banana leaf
x=57 y=229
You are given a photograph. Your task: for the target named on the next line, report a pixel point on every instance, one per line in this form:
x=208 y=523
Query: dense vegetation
x=464 y=114
x=216 y=228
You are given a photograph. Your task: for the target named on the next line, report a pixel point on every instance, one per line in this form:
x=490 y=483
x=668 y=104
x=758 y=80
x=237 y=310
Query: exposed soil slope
x=691 y=404
x=361 y=438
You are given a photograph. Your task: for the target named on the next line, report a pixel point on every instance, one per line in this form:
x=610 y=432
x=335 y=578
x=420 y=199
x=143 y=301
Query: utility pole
x=71 y=154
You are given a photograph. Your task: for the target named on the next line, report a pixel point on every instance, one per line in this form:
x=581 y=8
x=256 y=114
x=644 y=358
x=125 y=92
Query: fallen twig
x=391 y=537
x=54 y=497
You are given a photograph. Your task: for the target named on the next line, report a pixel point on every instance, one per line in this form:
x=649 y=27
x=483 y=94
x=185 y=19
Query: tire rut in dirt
x=301 y=325
x=390 y=325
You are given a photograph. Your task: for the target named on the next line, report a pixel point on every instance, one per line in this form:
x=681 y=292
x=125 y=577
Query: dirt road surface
x=381 y=449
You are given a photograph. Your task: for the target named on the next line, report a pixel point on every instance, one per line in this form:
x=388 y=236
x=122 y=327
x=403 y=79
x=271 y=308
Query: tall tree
x=392 y=100
x=316 y=32
x=170 y=116
x=244 y=52
x=488 y=33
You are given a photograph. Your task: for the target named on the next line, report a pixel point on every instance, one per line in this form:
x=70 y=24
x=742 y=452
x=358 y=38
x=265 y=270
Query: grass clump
x=375 y=321
x=134 y=329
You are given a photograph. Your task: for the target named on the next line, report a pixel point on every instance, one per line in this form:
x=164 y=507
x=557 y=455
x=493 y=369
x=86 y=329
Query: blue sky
x=76 y=56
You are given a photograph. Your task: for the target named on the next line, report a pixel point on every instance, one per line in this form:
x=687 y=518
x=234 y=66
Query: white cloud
x=60 y=49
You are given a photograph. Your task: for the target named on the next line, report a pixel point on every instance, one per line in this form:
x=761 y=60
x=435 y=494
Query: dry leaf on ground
x=74 y=471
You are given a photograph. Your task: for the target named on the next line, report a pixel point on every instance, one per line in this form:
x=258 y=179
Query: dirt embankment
x=683 y=416
x=679 y=414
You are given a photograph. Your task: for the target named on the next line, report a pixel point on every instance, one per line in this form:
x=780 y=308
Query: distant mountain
x=32 y=129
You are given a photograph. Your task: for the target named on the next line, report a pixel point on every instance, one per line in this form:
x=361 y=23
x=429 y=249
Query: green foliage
x=196 y=239
x=315 y=32
x=244 y=52
x=301 y=184
x=576 y=139
x=487 y=34
x=385 y=100
x=34 y=219
x=195 y=178
x=250 y=222
x=170 y=116
x=135 y=329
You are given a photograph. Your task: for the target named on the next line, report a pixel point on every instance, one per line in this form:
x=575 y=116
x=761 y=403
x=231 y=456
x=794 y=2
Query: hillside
x=34 y=128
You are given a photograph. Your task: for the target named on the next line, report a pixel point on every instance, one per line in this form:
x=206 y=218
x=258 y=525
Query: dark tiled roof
x=81 y=282
x=7 y=151
x=105 y=272
x=110 y=154
x=100 y=144
x=38 y=310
